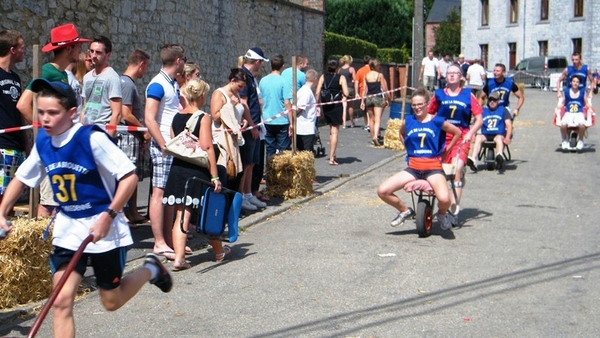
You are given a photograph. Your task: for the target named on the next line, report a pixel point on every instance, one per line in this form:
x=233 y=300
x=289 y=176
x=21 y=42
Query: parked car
x=535 y=71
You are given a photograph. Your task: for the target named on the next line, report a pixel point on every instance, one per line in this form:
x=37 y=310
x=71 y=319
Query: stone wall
x=212 y=32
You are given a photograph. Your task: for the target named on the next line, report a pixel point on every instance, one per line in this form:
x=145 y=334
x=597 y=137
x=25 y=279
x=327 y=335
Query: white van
x=535 y=71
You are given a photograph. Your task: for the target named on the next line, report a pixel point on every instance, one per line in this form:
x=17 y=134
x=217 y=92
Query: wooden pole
x=34 y=194
x=403 y=83
x=294 y=100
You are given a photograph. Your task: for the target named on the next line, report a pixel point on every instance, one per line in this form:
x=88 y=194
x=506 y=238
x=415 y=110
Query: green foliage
x=386 y=23
x=447 y=35
x=388 y=55
x=337 y=45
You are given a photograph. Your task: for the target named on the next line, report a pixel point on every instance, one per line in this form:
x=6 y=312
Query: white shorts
x=573 y=120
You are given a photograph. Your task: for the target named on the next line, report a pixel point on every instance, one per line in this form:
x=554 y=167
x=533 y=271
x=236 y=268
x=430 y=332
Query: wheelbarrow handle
x=40 y=318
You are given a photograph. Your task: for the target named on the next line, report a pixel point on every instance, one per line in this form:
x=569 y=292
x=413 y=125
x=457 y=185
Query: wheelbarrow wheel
x=490 y=161
x=424 y=218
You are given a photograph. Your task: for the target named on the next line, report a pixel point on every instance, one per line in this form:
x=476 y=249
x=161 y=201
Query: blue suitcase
x=217 y=211
x=214 y=213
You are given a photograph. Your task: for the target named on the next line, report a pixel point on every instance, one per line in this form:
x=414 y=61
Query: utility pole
x=418 y=54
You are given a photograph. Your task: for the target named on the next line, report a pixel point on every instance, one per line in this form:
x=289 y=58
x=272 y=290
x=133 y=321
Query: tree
x=447 y=35
x=386 y=23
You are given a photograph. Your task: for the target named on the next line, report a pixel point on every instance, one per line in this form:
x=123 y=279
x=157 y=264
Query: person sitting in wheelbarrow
x=424 y=136
x=577 y=112
x=497 y=127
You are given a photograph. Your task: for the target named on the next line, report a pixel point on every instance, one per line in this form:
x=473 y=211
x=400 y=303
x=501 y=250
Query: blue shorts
x=161 y=165
x=424 y=174
x=108 y=266
x=250 y=151
x=10 y=160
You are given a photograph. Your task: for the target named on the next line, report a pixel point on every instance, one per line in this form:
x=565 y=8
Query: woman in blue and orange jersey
x=424 y=137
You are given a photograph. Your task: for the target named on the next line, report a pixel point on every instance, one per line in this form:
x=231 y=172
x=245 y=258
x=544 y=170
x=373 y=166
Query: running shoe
x=163 y=281
x=402 y=216
x=445 y=221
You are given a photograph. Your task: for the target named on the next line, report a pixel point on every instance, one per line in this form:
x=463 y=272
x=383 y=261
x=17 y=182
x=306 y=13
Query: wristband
x=111 y=213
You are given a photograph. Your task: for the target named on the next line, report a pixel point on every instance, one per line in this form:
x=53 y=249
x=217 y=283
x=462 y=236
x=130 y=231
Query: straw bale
x=24 y=268
x=290 y=176
x=391 y=138
x=521 y=86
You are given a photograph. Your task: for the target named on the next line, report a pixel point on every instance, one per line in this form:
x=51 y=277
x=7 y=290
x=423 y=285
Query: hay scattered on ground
x=391 y=138
x=290 y=176
x=24 y=269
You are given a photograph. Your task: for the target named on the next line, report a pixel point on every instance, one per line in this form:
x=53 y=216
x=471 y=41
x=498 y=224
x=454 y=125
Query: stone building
x=213 y=33
x=507 y=31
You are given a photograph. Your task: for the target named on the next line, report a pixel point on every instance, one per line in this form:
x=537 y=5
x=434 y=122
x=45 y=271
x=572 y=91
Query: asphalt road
x=524 y=263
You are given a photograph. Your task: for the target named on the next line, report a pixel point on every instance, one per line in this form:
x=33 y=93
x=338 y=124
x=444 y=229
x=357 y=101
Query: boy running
x=91 y=180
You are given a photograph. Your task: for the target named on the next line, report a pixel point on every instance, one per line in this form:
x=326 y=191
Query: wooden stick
x=61 y=282
x=294 y=100
x=34 y=194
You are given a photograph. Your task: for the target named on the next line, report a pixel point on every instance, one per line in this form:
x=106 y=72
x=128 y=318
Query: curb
x=26 y=312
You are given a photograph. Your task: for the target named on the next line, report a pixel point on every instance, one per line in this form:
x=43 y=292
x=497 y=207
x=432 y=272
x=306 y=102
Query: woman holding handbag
x=195 y=92
x=229 y=116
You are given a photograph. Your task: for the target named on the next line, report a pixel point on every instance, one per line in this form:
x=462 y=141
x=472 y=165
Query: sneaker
x=256 y=202
x=246 y=205
x=445 y=221
x=499 y=161
x=402 y=216
x=163 y=281
x=565 y=145
x=367 y=128
x=472 y=163
x=579 y=145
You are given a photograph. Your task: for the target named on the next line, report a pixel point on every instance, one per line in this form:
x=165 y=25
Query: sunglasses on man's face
x=492 y=100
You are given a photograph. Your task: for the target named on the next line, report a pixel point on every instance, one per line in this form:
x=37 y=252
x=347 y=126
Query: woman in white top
x=229 y=93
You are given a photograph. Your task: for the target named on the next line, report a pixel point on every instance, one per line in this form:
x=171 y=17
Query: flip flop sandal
x=226 y=251
x=183 y=265
x=168 y=254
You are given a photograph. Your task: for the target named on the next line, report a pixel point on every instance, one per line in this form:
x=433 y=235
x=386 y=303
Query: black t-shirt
x=10 y=92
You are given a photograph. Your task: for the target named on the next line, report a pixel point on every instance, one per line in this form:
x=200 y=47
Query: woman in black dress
x=337 y=88
x=195 y=92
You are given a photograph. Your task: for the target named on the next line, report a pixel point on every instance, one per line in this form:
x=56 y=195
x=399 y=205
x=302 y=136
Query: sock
x=154 y=271
x=247 y=196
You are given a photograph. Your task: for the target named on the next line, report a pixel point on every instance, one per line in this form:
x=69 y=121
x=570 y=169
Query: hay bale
x=24 y=269
x=290 y=176
x=521 y=86
x=391 y=138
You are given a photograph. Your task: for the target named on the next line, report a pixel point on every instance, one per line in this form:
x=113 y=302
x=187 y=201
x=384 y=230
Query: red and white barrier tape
x=13 y=129
x=144 y=129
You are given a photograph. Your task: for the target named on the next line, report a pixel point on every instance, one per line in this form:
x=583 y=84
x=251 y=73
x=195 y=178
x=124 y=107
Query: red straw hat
x=63 y=36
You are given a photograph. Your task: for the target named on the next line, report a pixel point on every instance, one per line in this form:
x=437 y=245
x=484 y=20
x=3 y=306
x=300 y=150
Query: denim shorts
x=424 y=174
x=250 y=151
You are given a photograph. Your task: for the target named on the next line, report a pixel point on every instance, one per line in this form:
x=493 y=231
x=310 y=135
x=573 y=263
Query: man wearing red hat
x=65 y=42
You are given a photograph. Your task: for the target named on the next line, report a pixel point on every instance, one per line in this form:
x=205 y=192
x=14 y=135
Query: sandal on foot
x=181 y=265
x=220 y=257
x=188 y=251
x=333 y=162
x=168 y=254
